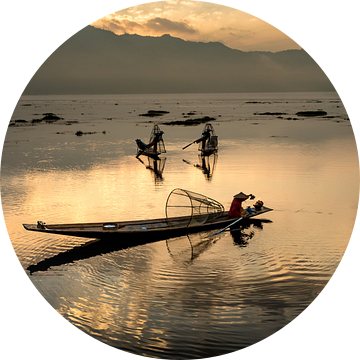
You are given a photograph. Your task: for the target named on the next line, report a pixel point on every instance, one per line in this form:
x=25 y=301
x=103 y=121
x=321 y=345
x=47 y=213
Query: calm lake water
x=187 y=297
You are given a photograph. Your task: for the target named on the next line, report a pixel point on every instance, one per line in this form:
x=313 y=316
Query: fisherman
x=142 y=146
x=208 y=140
x=236 y=209
x=157 y=138
x=204 y=137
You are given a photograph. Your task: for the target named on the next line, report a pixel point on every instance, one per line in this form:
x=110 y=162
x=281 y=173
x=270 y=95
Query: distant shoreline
x=255 y=94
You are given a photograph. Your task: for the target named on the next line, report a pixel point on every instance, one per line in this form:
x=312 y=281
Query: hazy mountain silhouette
x=98 y=61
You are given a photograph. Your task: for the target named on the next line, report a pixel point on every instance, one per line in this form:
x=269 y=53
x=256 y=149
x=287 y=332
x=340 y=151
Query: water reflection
x=207 y=164
x=156 y=166
x=243 y=234
x=185 y=250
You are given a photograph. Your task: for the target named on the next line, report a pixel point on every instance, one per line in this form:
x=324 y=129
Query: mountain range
x=95 y=61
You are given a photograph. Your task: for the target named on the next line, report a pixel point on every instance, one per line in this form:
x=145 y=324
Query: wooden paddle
x=189 y=144
x=194 y=142
x=226 y=227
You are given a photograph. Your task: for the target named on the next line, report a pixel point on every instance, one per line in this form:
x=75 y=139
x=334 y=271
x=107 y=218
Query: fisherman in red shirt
x=236 y=205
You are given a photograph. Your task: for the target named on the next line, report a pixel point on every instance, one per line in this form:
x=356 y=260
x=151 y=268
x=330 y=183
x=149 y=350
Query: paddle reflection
x=207 y=164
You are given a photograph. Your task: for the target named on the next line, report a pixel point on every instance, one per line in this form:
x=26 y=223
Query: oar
x=189 y=145
x=226 y=227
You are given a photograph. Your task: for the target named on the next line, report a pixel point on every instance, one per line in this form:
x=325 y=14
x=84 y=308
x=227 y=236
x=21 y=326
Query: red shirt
x=235 y=208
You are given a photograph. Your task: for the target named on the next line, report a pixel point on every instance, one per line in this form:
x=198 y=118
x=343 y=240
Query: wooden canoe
x=156 y=228
x=149 y=153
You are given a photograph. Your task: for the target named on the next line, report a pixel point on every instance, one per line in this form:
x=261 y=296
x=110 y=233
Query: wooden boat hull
x=149 y=154
x=151 y=229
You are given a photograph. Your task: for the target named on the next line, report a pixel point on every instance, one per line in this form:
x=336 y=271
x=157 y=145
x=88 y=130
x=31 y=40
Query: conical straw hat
x=241 y=196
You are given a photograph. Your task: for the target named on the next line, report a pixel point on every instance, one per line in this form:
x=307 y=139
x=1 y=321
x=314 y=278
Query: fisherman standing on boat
x=157 y=139
x=204 y=137
x=142 y=146
x=236 y=209
x=208 y=143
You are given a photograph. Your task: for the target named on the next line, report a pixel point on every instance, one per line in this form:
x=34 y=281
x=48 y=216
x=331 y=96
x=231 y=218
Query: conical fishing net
x=185 y=208
x=157 y=134
x=211 y=143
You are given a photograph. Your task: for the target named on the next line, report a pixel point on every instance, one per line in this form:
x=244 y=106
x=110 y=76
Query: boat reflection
x=156 y=166
x=243 y=234
x=207 y=164
x=183 y=249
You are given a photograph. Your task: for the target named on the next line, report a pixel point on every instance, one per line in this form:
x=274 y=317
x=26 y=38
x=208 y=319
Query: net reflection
x=185 y=250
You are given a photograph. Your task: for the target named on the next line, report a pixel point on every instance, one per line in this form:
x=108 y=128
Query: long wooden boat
x=156 y=228
x=148 y=152
x=95 y=247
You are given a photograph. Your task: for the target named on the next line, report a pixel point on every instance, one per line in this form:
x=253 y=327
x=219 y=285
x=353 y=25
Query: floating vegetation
x=288 y=118
x=190 y=122
x=190 y=113
x=152 y=113
x=81 y=133
x=312 y=113
x=48 y=118
x=51 y=116
x=257 y=102
x=271 y=113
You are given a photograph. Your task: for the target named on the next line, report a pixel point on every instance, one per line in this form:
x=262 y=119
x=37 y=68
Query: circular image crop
x=179 y=180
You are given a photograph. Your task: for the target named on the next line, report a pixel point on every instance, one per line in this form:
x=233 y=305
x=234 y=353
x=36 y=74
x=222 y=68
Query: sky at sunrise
x=198 y=21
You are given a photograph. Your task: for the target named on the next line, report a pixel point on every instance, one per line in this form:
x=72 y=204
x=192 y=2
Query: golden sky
x=198 y=21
